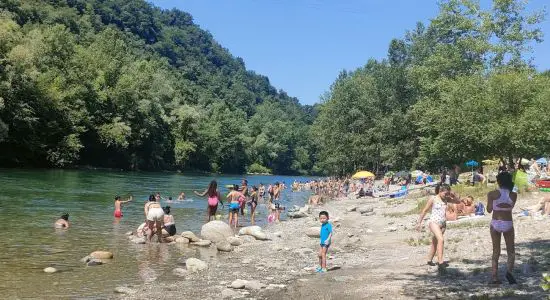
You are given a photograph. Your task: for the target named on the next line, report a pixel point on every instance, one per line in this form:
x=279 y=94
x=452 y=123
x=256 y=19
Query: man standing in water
x=118 y=205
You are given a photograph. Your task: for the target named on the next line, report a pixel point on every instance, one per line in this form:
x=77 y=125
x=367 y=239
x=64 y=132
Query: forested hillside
x=121 y=83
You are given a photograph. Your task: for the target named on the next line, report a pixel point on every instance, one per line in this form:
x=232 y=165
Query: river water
x=31 y=201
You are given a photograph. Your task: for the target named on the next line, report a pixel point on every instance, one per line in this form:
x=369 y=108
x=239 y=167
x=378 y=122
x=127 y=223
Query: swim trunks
x=118 y=213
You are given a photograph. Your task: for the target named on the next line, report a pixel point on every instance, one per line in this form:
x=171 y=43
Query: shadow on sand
x=469 y=279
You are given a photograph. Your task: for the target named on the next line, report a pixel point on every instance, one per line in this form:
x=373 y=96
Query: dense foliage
x=121 y=83
x=459 y=88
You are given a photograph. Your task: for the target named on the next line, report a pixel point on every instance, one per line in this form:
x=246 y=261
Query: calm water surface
x=31 y=201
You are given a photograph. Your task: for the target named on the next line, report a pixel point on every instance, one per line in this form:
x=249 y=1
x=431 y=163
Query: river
x=31 y=201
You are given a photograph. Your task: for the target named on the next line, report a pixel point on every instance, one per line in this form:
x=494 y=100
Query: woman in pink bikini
x=213 y=198
x=501 y=202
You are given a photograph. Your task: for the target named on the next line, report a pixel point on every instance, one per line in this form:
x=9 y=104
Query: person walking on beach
x=253 y=204
x=118 y=205
x=437 y=222
x=501 y=202
x=154 y=215
x=326 y=236
x=214 y=198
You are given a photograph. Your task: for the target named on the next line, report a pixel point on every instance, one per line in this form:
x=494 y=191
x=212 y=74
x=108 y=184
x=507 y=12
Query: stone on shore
x=216 y=231
x=365 y=209
x=125 y=290
x=50 y=270
x=351 y=208
x=234 y=241
x=224 y=246
x=170 y=239
x=190 y=236
x=180 y=272
x=255 y=231
x=181 y=240
x=101 y=254
x=253 y=285
x=314 y=232
x=238 y=284
x=202 y=243
x=195 y=265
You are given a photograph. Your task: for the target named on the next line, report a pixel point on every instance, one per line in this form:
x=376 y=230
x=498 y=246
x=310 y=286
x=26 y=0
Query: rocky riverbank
x=376 y=253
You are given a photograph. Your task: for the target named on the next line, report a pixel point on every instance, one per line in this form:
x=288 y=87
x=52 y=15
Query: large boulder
x=313 y=232
x=195 y=265
x=101 y=255
x=216 y=231
x=190 y=236
x=255 y=231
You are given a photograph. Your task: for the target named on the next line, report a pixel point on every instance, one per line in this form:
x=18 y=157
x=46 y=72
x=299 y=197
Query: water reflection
x=151 y=261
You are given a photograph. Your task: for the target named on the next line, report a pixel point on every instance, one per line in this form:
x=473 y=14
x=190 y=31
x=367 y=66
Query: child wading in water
x=326 y=235
x=118 y=205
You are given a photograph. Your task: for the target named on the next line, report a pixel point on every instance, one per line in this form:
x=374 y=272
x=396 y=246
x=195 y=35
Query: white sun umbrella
x=416 y=173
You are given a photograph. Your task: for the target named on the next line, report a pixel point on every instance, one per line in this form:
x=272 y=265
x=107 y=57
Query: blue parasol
x=542 y=161
x=472 y=163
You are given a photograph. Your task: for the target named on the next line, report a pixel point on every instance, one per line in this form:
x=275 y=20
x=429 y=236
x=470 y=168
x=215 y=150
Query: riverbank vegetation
x=123 y=84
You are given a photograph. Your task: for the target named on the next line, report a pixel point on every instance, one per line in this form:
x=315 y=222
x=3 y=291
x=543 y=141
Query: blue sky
x=302 y=45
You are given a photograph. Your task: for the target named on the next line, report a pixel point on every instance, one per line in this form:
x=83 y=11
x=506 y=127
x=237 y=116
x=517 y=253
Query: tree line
x=462 y=87
x=124 y=84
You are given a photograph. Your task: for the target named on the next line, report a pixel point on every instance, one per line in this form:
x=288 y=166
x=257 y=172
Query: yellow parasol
x=362 y=174
x=490 y=161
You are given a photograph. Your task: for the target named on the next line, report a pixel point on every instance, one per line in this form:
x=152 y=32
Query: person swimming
x=63 y=222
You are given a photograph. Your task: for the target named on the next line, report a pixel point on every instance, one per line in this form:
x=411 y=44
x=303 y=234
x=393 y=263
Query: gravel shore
x=376 y=254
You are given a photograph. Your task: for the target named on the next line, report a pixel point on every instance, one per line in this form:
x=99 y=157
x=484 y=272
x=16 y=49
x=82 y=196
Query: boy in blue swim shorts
x=326 y=235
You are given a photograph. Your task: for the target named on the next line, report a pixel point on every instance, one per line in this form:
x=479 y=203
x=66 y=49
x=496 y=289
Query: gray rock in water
x=139 y=240
x=195 y=265
x=224 y=246
x=238 y=284
x=216 y=231
x=125 y=290
x=50 y=270
x=190 y=236
x=254 y=285
x=130 y=233
x=85 y=259
x=94 y=262
x=180 y=272
x=230 y=294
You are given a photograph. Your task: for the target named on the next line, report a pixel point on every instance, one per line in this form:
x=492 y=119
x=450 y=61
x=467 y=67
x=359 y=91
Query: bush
x=257 y=168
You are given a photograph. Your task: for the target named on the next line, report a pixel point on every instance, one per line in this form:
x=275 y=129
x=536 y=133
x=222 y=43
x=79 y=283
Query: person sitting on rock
x=63 y=222
x=466 y=206
x=169 y=224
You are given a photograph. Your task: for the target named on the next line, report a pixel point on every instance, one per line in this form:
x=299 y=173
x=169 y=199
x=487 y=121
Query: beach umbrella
x=472 y=163
x=362 y=174
x=402 y=174
x=542 y=161
x=389 y=174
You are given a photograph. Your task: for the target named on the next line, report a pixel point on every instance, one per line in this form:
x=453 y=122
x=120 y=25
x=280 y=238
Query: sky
x=302 y=45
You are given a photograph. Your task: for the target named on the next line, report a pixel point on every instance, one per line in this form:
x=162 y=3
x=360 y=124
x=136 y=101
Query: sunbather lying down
x=543 y=205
